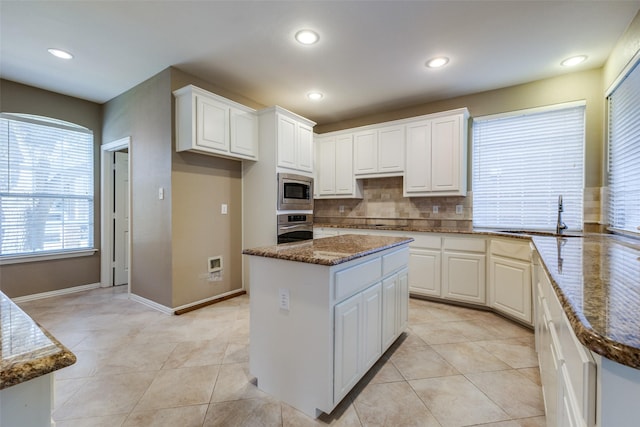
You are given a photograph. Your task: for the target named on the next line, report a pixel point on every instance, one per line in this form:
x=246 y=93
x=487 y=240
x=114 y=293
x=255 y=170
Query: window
x=46 y=186
x=624 y=154
x=522 y=162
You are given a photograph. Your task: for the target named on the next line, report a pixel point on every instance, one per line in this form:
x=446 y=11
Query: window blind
x=624 y=154
x=522 y=162
x=46 y=186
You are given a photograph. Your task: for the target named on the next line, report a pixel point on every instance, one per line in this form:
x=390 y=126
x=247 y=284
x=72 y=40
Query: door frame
x=107 y=189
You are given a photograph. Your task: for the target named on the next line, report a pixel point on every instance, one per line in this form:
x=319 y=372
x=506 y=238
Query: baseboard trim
x=56 y=293
x=162 y=308
x=203 y=303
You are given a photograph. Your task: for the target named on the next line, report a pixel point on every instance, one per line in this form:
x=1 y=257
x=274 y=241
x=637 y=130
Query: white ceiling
x=370 y=56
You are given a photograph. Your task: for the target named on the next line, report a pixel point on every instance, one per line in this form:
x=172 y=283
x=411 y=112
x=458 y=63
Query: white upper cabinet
x=210 y=124
x=334 y=168
x=436 y=156
x=379 y=152
x=325 y=166
x=295 y=141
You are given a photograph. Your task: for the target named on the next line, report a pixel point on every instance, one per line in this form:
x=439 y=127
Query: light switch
x=223 y=209
x=161 y=193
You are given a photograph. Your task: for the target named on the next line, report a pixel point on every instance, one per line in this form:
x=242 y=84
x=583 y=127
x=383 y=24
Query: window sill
x=17 y=259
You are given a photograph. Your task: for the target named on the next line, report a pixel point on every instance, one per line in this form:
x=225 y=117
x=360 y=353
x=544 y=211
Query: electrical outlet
x=436 y=209
x=341 y=209
x=459 y=209
x=283 y=298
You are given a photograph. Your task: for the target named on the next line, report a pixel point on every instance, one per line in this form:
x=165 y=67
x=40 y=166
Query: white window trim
x=535 y=110
x=48 y=256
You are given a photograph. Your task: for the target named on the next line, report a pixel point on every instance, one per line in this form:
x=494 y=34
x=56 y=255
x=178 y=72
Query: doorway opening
x=115 y=214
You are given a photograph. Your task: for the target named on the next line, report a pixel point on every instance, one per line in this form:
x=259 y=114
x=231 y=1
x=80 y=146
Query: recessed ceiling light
x=307 y=37
x=59 y=53
x=315 y=96
x=574 y=60
x=438 y=62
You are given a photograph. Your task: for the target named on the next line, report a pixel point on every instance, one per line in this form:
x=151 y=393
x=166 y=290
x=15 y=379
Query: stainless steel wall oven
x=294 y=227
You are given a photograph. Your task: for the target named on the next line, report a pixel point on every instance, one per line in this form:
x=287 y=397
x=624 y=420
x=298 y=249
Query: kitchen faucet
x=560 y=225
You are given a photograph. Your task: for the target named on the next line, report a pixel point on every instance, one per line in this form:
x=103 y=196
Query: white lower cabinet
x=425 y=260
x=464 y=269
x=567 y=369
x=510 y=279
x=395 y=307
x=358 y=338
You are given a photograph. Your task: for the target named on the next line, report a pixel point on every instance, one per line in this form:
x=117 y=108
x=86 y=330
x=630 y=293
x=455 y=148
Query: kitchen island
x=28 y=357
x=323 y=311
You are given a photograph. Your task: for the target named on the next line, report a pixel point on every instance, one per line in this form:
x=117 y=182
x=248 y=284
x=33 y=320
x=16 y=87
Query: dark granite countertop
x=26 y=350
x=597 y=280
x=329 y=250
x=426 y=229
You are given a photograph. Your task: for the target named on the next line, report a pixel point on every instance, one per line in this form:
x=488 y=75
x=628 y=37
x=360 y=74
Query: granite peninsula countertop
x=595 y=276
x=597 y=280
x=329 y=250
x=26 y=350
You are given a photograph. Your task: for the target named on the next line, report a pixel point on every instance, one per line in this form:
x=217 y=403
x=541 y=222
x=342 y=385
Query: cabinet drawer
x=425 y=242
x=394 y=261
x=353 y=279
x=465 y=244
x=508 y=249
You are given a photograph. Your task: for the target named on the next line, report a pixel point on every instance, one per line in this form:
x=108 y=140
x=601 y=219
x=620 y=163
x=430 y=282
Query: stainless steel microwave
x=295 y=192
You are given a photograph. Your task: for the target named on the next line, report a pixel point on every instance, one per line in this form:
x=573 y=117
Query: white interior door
x=121 y=219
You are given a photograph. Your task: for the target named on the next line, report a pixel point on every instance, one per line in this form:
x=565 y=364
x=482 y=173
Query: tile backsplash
x=383 y=203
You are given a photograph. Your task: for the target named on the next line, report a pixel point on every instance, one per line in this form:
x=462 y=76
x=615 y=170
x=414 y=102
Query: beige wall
x=624 y=51
x=44 y=276
x=144 y=113
x=586 y=85
x=201 y=184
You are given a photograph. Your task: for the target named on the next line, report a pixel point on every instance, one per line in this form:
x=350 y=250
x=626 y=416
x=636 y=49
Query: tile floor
x=139 y=367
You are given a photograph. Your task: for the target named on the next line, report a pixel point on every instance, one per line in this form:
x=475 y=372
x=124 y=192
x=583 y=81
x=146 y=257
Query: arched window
x=46 y=186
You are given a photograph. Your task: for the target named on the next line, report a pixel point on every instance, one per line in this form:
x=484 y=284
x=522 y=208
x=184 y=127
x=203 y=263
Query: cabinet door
x=389 y=310
x=243 y=134
x=286 y=142
x=417 y=177
x=347 y=355
x=372 y=325
x=424 y=271
x=212 y=124
x=464 y=277
x=403 y=301
x=344 y=165
x=304 y=148
x=365 y=147
x=391 y=149
x=326 y=166
x=510 y=287
x=445 y=153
